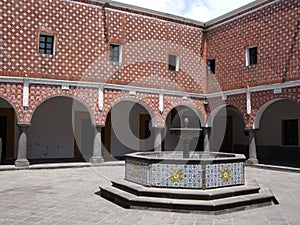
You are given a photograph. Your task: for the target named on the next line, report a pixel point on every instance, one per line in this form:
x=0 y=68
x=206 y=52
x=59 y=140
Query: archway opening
x=175 y=119
x=228 y=132
x=278 y=134
x=61 y=131
x=128 y=129
x=8 y=133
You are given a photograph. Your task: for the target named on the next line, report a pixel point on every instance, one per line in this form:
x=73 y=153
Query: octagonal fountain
x=180 y=180
x=200 y=170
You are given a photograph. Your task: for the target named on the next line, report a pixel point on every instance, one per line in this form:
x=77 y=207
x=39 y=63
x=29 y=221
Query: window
x=46 y=44
x=115 y=53
x=289 y=132
x=211 y=63
x=251 y=56
x=173 y=63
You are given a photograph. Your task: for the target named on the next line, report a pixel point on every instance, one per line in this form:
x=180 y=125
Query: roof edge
x=238 y=12
x=149 y=11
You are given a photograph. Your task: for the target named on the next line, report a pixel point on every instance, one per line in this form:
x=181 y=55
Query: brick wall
x=274 y=29
x=83 y=33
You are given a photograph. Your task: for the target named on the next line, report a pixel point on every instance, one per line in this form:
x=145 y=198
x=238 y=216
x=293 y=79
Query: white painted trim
x=26 y=94
x=161 y=103
x=100 y=99
x=248 y=96
x=86 y=84
x=65 y=87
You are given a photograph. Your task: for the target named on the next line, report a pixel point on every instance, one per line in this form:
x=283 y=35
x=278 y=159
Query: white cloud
x=201 y=10
x=198 y=12
x=167 y=6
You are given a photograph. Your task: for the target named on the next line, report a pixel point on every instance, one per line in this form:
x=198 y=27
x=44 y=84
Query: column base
x=252 y=161
x=96 y=160
x=22 y=163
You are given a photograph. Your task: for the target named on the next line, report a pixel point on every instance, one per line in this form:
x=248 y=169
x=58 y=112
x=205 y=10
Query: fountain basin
x=200 y=171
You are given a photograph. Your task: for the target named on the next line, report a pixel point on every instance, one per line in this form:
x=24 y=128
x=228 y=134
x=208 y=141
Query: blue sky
x=201 y=10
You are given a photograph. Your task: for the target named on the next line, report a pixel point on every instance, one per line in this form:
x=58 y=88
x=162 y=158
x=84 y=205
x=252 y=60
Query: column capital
x=251 y=129
x=98 y=127
x=23 y=127
x=159 y=128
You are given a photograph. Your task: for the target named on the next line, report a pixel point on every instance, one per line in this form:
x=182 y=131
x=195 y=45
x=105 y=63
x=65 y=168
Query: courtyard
x=69 y=196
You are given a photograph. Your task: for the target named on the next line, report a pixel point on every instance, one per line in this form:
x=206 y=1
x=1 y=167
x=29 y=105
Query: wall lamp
x=205 y=102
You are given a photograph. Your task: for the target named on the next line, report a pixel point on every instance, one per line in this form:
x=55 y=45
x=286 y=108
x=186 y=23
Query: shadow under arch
x=222 y=109
x=262 y=109
x=191 y=107
x=8 y=132
x=228 y=130
x=129 y=127
x=91 y=111
x=175 y=119
x=277 y=125
x=62 y=130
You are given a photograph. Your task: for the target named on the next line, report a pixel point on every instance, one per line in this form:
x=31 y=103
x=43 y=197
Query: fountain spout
x=186 y=135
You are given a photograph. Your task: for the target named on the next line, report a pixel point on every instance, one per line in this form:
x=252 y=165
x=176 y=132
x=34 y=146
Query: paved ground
x=67 y=196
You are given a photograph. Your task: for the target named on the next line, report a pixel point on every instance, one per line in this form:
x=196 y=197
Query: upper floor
x=115 y=43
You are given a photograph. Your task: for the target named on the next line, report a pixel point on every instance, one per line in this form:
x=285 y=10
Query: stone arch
x=62 y=127
x=148 y=101
x=262 y=100
x=227 y=134
x=13 y=106
x=81 y=101
x=130 y=126
x=219 y=109
x=261 y=110
x=277 y=131
x=189 y=106
x=175 y=119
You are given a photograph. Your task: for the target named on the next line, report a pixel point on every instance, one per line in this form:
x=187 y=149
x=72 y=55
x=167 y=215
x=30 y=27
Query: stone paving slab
x=68 y=196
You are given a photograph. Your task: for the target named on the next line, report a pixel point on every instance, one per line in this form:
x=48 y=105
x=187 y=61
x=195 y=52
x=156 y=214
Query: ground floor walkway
x=69 y=196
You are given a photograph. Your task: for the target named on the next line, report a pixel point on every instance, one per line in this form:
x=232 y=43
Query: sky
x=201 y=10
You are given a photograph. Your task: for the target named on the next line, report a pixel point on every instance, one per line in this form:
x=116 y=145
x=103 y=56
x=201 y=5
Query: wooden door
x=145 y=131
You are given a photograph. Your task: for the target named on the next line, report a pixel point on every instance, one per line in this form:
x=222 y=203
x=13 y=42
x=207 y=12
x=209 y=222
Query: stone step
x=195 y=194
x=129 y=200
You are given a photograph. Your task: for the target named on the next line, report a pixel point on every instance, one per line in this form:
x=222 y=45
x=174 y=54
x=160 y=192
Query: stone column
x=206 y=147
x=159 y=132
x=97 y=148
x=22 y=147
x=252 y=147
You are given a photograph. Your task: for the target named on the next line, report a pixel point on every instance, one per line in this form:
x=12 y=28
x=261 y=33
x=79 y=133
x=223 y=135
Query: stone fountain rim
x=152 y=157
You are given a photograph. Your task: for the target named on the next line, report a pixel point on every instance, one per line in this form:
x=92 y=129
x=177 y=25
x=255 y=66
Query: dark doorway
x=3 y=128
x=145 y=132
x=7 y=133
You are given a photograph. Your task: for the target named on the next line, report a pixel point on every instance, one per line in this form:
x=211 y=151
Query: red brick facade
x=84 y=30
